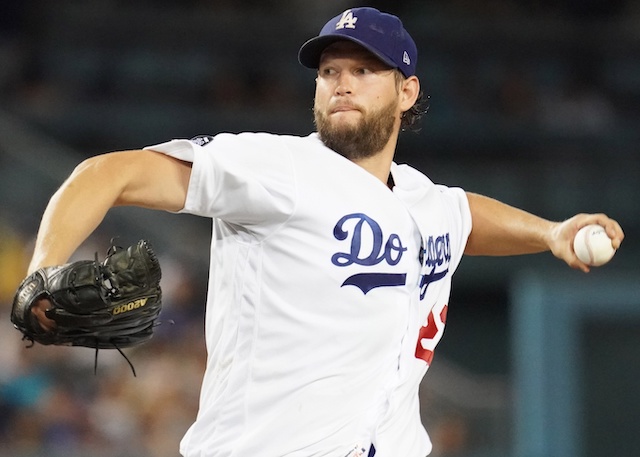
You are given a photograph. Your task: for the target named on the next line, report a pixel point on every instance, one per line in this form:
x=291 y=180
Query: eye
x=326 y=71
x=363 y=71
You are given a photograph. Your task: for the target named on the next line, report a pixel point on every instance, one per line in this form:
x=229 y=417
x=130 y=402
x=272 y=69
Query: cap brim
x=310 y=52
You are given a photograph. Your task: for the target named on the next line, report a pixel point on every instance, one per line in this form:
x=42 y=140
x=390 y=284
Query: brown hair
x=411 y=117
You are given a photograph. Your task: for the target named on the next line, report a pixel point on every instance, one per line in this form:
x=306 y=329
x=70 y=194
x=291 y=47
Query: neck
x=377 y=166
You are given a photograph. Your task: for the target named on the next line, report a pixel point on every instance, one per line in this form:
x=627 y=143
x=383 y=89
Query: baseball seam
x=587 y=243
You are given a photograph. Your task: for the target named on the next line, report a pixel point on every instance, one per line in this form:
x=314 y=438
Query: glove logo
x=139 y=303
x=26 y=292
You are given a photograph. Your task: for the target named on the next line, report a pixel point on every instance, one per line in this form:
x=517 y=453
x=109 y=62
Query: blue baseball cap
x=380 y=33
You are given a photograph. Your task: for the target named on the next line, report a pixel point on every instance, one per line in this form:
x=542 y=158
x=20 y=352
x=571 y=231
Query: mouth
x=343 y=109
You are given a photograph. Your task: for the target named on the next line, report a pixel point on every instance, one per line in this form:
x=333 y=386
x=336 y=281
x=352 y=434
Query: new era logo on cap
x=381 y=33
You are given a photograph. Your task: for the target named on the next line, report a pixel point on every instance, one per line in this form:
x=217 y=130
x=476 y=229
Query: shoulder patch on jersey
x=201 y=140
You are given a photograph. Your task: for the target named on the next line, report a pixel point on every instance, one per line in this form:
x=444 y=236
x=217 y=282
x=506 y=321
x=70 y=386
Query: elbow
x=96 y=178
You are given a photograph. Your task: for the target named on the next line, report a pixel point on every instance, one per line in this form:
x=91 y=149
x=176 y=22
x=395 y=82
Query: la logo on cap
x=348 y=20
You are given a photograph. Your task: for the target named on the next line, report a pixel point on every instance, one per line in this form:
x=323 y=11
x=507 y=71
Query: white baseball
x=593 y=246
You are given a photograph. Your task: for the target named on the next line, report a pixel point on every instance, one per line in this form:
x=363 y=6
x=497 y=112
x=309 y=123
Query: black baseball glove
x=102 y=305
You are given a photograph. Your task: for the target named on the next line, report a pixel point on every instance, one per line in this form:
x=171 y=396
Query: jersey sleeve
x=246 y=179
x=427 y=201
x=459 y=213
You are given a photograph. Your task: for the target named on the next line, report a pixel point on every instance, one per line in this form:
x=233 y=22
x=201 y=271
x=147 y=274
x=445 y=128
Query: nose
x=344 y=85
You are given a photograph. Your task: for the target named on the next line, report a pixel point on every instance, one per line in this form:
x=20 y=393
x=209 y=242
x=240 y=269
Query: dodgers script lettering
x=391 y=251
x=356 y=228
x=437 y=255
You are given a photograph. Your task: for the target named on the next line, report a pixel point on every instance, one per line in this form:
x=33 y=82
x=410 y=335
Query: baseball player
x=331 y=264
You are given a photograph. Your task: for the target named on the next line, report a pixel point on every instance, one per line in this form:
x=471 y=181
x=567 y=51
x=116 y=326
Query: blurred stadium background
x=536 y=103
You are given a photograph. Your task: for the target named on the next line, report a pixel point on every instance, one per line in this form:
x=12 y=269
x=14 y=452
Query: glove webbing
x=112 y=250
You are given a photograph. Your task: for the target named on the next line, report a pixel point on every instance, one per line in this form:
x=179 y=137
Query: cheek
x=321 y=96
x=383 y=95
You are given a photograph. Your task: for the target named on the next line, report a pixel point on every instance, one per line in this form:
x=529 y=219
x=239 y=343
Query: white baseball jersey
x=327 y=295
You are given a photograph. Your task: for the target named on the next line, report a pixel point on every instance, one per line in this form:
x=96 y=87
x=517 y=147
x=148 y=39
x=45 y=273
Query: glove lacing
x=95 y=363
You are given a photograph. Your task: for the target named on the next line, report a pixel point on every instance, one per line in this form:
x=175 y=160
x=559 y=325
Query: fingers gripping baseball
x=563 y=240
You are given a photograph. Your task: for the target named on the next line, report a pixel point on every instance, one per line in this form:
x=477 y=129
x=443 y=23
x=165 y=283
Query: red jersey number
x=430 y=335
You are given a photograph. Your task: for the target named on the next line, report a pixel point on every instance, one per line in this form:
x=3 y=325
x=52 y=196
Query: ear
x=409 y=92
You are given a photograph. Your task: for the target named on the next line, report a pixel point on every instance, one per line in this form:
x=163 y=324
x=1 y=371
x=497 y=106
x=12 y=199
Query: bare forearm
x=500 y=229
x=72 y=214
x=128 y=178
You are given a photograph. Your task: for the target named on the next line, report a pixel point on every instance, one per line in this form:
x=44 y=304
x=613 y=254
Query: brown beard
x=359 y=141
